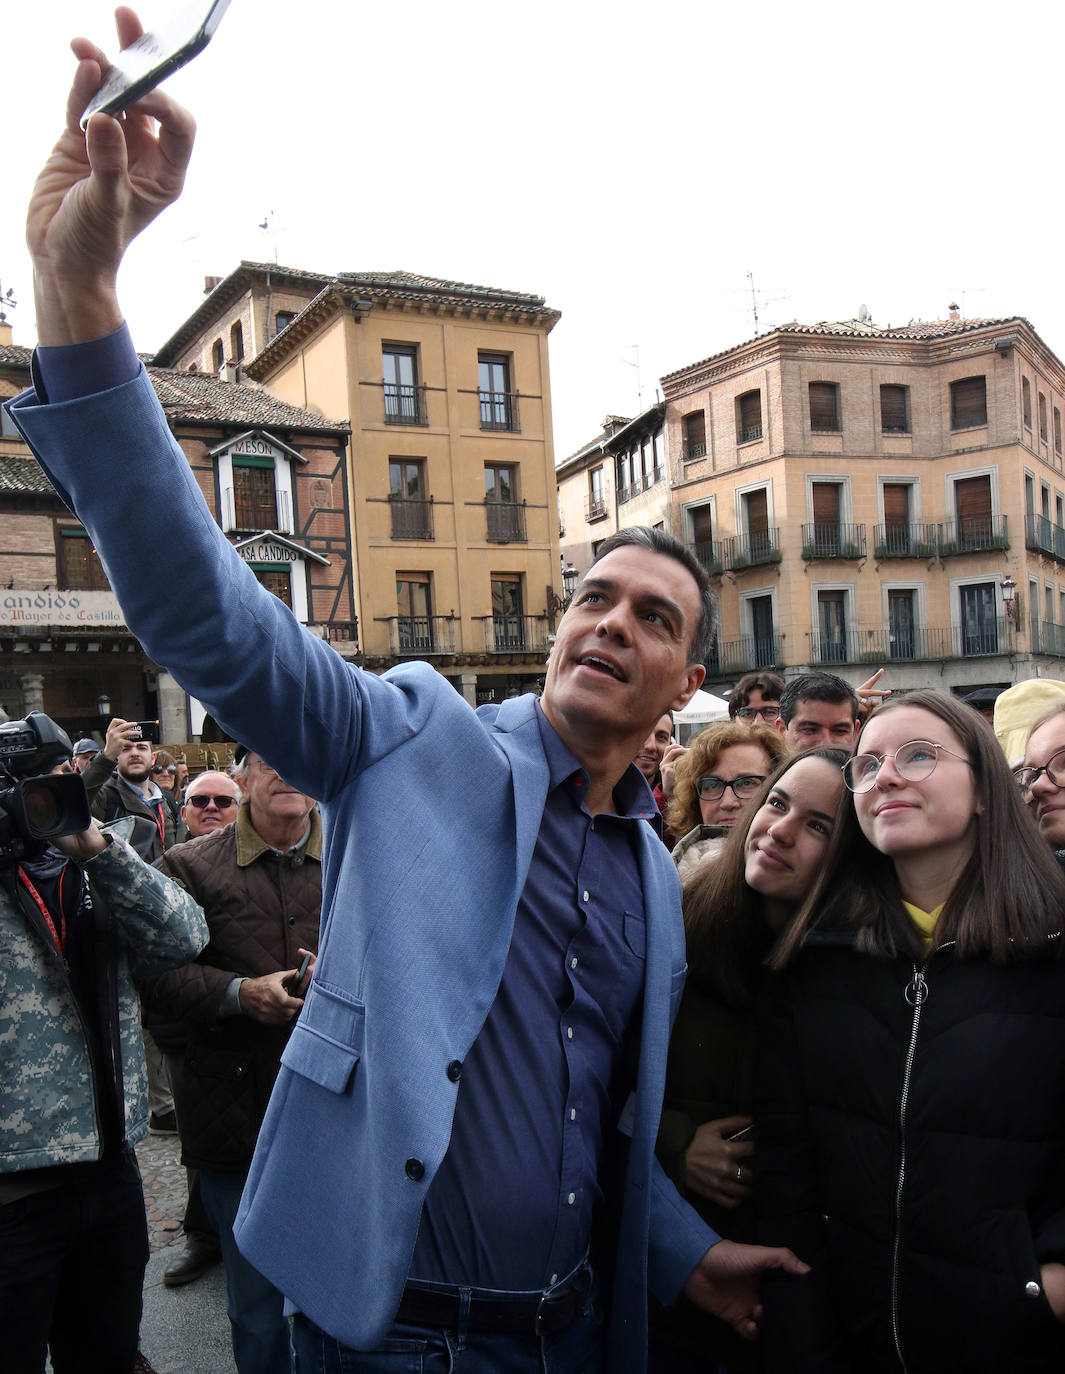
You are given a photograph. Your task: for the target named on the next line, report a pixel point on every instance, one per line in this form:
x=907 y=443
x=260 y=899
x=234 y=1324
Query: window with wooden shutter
x=701 y=524
x=750 y=413
x=968 y=403
x=1042 y=417
x=833 y=625
x=825 y=502
x=756 y=507
x=824 y=407
x=894 y=410
x=1026 y=402
x=972 y=500
x=695 y=435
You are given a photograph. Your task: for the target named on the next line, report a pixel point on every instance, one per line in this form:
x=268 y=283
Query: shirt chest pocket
x=634 y=929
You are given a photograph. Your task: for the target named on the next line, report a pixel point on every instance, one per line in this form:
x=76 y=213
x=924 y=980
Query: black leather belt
x=534 y=1314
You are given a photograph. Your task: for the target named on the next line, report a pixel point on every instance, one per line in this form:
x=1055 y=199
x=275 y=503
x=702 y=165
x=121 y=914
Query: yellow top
x=924 y=920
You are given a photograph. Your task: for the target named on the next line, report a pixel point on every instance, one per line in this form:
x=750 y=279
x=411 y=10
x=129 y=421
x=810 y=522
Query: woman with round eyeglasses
x=734 y=909
x=910 y=1100
x=722 y=771
x=1042 y=777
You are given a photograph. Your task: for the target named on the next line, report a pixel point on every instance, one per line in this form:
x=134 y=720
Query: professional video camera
x=35 y=809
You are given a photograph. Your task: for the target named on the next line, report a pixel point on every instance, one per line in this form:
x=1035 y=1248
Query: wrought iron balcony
x=884 y=643
x=513 y=634
x=421 y=635
x=1043 y=536
x=693 y=451
x=750 y=550
x=972 y=536
x=710 y=555
x=405 y=404
x=749 y=433
x=342 y=631
x=745 y=654
x=505 y=522
x=833 y=541
x=499 y=410
x=905 y=541
x=411 y=519
x=1048 y=638
x=595 y=508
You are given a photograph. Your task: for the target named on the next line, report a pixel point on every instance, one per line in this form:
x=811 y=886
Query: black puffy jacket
x=911 y=1147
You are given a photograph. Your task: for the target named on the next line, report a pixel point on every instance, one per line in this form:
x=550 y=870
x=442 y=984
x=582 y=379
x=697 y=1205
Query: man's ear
x=694 y=680
x=781 y=727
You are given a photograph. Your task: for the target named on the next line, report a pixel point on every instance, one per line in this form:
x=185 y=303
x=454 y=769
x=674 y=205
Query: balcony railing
x=1048 y=638
x=510 y=634
x=499 y=410
x=505 y=522
x=884 y=643
x=640 y=483
x=972 y=536
x=342 y=631
x=1042 y=535
x=710 y=555
x=750 y=550
x=745 y=654
x=833 y=541
x=411 y=519
x=595 y=508
x=749 y=433
x=421 y=634
x=694 y=451
x=905 y=541
x=405 y=404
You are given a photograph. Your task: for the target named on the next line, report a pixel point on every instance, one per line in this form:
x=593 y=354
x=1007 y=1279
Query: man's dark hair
x=659 y=541
x=768 y=684
x=816 y=687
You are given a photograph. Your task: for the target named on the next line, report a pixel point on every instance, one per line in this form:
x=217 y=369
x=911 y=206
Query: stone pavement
x=184 y=1330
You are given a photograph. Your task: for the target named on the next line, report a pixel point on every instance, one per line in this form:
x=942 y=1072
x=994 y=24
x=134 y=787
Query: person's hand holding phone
x=714 y=1161
x=95 y=194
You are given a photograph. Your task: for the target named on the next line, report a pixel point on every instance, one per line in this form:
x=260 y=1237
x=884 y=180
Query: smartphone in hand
x=157 y=54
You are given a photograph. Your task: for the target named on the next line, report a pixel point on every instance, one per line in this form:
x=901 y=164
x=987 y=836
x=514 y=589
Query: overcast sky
x=631 y=163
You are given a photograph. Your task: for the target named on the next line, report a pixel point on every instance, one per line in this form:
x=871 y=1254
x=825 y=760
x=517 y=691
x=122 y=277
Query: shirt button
x=584 y=897
x=572 y=1199
x=573 y=1113
x=569 y=1032
x=573 y=963
x=554 y=1278
x=414 y=1169
x=1032 y=1289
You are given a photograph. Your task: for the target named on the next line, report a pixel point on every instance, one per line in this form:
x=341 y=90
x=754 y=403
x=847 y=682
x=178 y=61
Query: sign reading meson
x=60 y=608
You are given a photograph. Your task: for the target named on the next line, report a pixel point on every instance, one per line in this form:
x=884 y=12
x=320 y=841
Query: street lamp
x=103 y=704
x=1009 y=598
x=569 y=582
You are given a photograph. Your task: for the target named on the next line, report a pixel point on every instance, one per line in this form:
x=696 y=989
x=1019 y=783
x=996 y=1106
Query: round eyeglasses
x=912 y=761
x=766 y=712
x=1054 y=768
x=713 y=789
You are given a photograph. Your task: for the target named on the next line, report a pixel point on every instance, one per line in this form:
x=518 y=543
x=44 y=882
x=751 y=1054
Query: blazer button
x=1032 y=1289
x=454 y=1070
x=292 y=920
x=415 y=1169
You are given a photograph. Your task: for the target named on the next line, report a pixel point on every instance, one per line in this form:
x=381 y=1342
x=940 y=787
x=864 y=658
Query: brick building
x=275 y=478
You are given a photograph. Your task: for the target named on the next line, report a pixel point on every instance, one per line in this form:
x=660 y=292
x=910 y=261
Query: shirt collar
x=633 y=799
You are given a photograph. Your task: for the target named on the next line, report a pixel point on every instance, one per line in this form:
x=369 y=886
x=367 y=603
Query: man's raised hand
x=95 y=194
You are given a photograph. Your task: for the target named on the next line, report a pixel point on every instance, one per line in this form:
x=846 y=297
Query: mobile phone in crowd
x=745 y=1134
x=292 y=988
x=147 y=730
x=154 y=56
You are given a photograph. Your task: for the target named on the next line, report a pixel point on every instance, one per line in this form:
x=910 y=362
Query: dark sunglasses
x=202 y=799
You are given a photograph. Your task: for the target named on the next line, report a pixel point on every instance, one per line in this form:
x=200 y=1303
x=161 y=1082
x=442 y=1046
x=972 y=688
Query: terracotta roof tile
x=200 y=397
x=24 y=476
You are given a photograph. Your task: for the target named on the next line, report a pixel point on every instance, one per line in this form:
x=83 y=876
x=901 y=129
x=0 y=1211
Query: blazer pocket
x=327 y=1041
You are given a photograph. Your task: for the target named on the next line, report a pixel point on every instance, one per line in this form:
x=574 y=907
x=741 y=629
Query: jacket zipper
x=916 y=994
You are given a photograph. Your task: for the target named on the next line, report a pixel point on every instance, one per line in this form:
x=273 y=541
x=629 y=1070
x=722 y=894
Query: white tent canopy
x=703 y=709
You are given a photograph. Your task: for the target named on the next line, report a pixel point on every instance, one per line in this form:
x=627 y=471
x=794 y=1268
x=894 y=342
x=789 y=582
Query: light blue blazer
x=431 y=814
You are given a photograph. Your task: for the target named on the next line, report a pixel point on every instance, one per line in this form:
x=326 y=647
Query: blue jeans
x=256 y=1308
x=430 y=1350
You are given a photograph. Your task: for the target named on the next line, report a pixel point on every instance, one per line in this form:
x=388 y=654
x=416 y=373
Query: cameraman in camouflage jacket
x=75 y=926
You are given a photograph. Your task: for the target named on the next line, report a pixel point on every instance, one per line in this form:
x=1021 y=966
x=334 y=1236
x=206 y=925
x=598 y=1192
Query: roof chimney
x=6 y=336
x=955 y=316
x=209 y=284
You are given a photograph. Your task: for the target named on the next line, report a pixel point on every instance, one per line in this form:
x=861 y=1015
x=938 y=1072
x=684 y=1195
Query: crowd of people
x=451 y=1101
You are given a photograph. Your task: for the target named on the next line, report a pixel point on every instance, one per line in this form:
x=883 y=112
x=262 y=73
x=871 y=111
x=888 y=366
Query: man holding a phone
x=119 y=783
x=472 y=1090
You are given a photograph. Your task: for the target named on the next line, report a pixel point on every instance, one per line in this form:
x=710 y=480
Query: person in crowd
x=910 y=1100
x=76 y=923
x=479 y=938
x=818 y=710
x=259 y=882
x=734 y=909
x=85 y=750
x=210 y=802
x=1042 y=776
x=983 y=700
x=119 y=783
x=755 y=699
x=649 y=760
x=722 y=770
x=1018 y=708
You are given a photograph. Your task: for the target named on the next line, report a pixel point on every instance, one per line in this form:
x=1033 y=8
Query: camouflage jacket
x=48 y=1094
